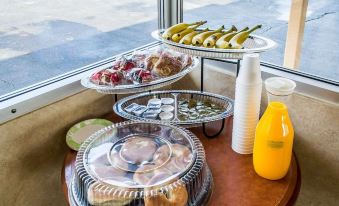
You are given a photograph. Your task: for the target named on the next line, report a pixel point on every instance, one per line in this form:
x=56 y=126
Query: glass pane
x=319 y=54
x=41 y=39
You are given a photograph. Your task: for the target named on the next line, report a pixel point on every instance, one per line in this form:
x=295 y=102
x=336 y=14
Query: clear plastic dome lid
x=134 y=160
x=139 y=161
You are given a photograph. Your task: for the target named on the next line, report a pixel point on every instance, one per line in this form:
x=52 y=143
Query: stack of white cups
x=247 y=104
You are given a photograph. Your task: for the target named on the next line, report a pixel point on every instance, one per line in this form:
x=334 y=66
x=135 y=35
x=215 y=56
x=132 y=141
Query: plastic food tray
x=254 y=44
x=136 y=88
x=226 y=103
x=167 y=167
x=201 y=200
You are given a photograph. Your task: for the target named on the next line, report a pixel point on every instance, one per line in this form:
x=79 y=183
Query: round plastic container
x=141 y=163
x=279 y=89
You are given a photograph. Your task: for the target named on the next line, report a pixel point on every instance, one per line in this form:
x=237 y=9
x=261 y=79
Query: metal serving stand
x=254 y=44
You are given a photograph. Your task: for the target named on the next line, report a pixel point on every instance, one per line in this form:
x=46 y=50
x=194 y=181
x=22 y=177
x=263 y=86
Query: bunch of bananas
x=185 y=33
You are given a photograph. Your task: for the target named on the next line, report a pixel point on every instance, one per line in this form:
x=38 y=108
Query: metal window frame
x=28 y=99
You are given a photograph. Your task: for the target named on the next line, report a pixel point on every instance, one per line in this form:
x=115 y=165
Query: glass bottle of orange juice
x=273 y=142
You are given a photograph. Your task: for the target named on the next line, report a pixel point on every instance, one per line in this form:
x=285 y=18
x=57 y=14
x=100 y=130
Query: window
x=317 y=54
x=42 y=39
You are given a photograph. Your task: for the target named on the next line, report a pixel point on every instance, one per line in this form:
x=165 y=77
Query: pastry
x=151 y=60
x=133 y=147
x=167 y=66
x=139 y=58
x=160 y=175
x=144 y=174
x=149 y=175
x=107 y=77
x=180 y=158
x=140 y=75
x=161 y=155
x=107 y=172
x=117 y=162
x=176 y=196
x=101 y=195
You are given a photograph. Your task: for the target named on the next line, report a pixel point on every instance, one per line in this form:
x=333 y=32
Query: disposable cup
x=242 y=151
x=243 y=117
x=240 y=124
x=241 y=137
x=246 y=102
x=244 y=134
x=244 y=126
x=251 y=111
x=242 y=140
x=243 y=147
x=250 y=71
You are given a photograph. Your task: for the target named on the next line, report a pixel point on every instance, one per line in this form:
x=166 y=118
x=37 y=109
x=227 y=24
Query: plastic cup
x=279 y=89
x=242 y=151
x=249 y=73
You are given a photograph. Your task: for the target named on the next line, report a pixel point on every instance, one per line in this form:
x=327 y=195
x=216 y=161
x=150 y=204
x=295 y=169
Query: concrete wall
x=32 y=147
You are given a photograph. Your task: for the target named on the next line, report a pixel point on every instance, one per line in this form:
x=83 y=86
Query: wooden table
x=235 y=181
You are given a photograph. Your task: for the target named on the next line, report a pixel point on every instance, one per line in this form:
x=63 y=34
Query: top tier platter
x=254 y=44
x=140 y=87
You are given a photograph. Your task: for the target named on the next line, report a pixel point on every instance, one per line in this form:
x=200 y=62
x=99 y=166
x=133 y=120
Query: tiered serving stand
x=254 y=44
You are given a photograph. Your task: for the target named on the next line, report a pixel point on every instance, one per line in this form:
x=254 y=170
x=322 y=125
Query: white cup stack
x=247 y=104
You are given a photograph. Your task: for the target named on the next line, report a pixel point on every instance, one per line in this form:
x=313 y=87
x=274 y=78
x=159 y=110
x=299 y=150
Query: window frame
x=28 y=99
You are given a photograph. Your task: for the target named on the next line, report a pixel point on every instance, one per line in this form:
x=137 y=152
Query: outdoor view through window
x=41 y=39
x=318 y=53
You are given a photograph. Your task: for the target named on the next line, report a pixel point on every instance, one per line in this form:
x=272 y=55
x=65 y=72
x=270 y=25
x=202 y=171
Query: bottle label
x=275 y=144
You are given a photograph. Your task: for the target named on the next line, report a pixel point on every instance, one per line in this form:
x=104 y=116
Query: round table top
x=235 y=181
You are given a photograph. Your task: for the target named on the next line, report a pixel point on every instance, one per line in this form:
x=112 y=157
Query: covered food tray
x=141 y=163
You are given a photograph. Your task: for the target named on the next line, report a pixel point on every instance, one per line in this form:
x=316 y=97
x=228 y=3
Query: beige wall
x=32 y=147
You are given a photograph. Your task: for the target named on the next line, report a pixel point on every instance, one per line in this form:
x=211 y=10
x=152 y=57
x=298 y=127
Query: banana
x=241 y=37
x=200 y=38
x=176 y=37
x=223 y=42
x=177 y=28
x=187 y=39
x=211 y=40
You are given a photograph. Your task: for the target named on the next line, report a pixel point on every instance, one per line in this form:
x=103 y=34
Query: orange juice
x=273 y=142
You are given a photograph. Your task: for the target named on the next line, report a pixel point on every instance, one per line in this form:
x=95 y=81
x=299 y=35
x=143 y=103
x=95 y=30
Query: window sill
x=28 y=99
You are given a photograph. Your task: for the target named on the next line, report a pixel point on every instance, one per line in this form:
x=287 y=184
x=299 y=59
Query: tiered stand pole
x=202 y=89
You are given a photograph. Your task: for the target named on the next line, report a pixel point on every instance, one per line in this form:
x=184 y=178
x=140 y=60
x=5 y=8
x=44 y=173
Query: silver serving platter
x=226 y=103
x=254 y=44
x=135 y=88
